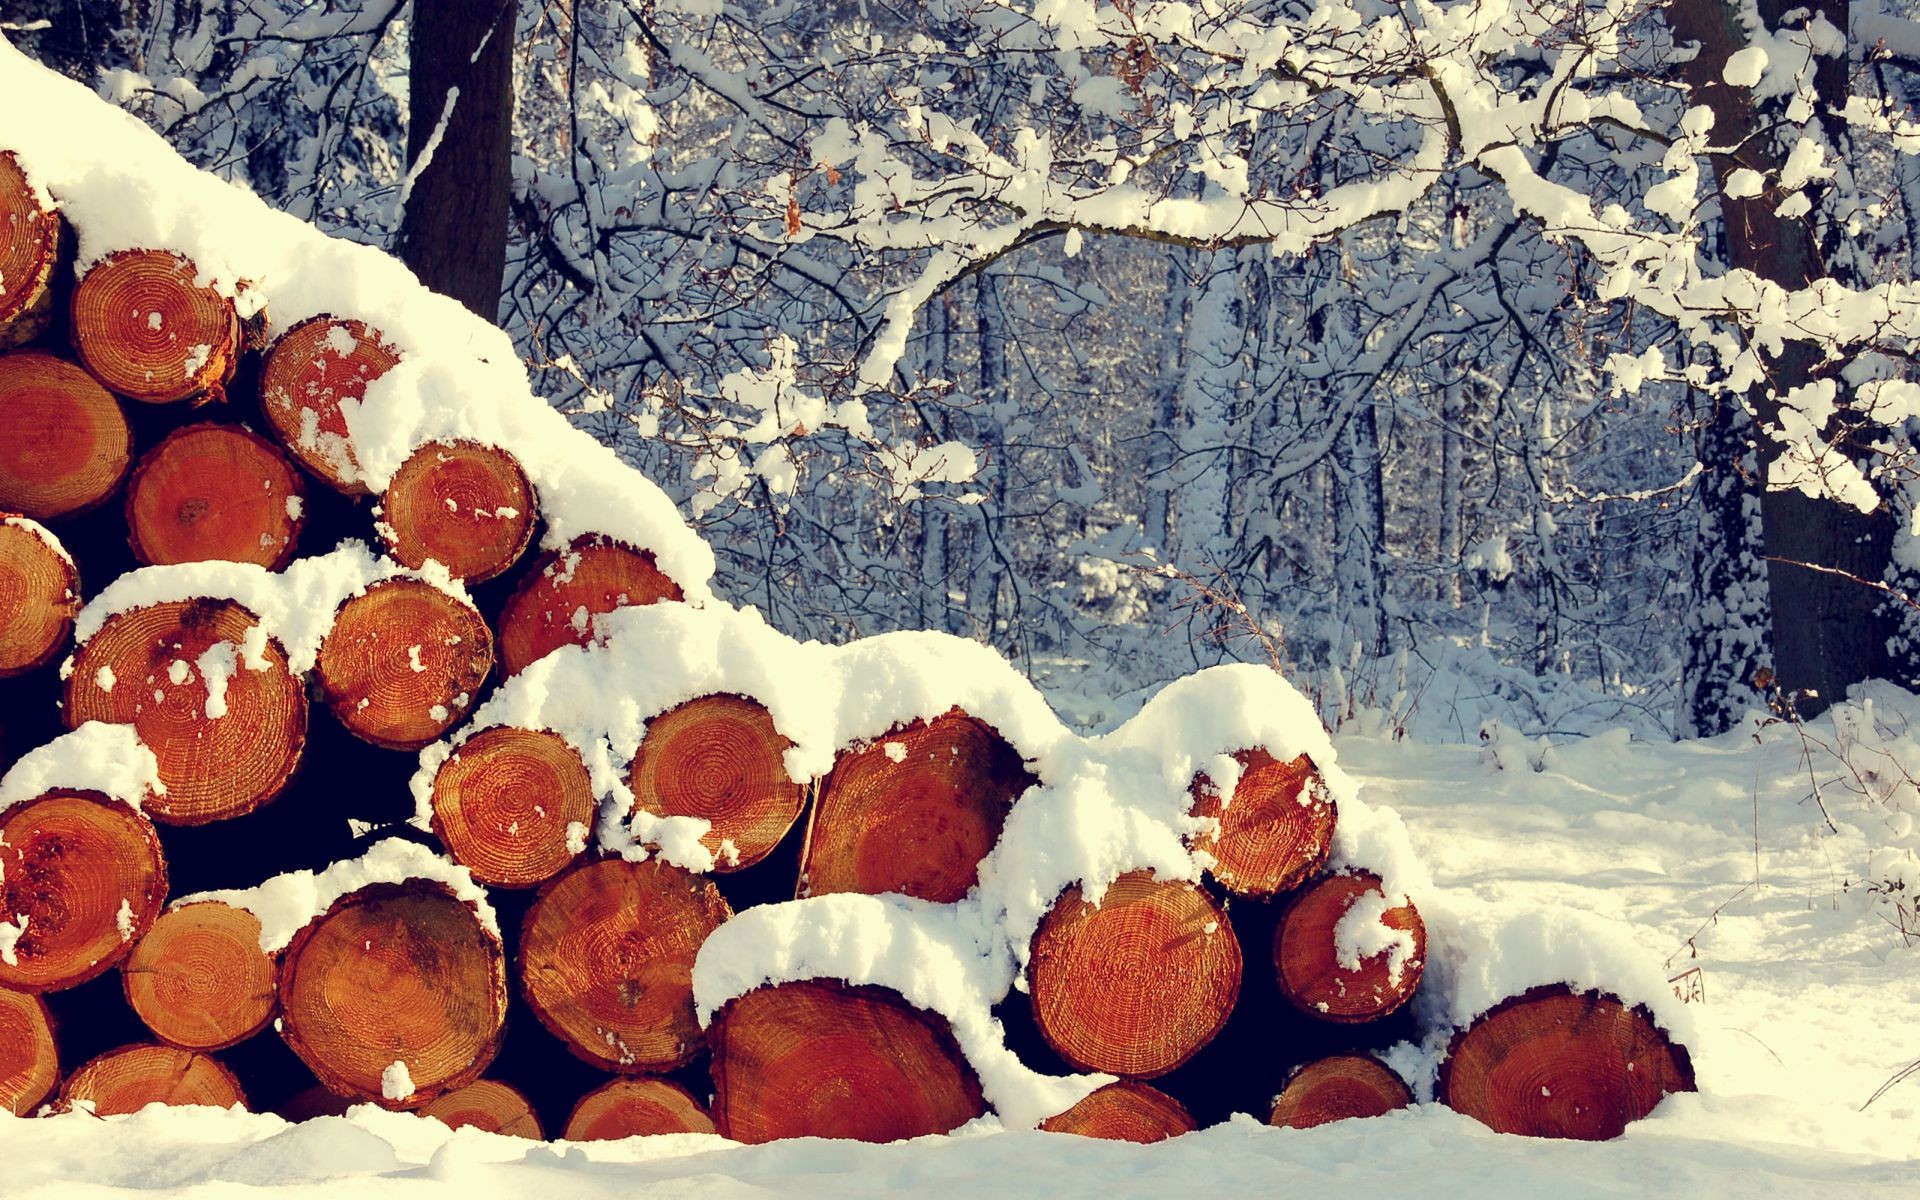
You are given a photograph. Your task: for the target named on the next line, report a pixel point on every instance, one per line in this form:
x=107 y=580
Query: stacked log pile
x=540 y=977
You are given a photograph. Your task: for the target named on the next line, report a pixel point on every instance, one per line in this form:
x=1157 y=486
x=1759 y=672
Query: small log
x=312 y=1102
x=1138 y=984
x=394 y=973
x=29 y=251
x=39 y=596
x=130 y=1078
x=82 y=878
x=64 y=443
x=150 y=332
x=563 y=591
x=199 y=979
x=1555 y=1063
x=467 y=506
x=721 y=759
x=215 y=493
x=1338 y=1088
x=1277 y=830
x=514 y=806
x=818 y=1058
x=403 y=663
x=627 y=1108
x=310 y=372
x=1125 y=1110
x=29 y=1060
x=207 y=693
x=487 y=1105
x=606 y=961
x=1308 y=959
x=913 y=812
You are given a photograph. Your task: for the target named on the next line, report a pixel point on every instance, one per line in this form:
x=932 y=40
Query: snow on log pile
x=419 y=705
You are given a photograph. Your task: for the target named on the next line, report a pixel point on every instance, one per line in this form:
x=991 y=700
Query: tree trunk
x=39 y=596
x=64 y=443
x=490 y=1106
x=82 y=878
x=719 y=758
x=215 y=493
x=127 y=1080
x=150 y=332
x=1276 y=830
x=1125 y=1110
x=403 y=663
x=625 y=1108
x=29 y=1060
x=1348 y=971
x=1337 y=1088
x=199 y=978
x=562 y=591
x=467 y=506
x=1727 y=632
x=514 y=806
x=309 y=372
x=27 y=257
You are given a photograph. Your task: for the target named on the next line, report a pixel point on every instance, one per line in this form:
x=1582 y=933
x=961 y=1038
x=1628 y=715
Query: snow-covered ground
x=1713 y=852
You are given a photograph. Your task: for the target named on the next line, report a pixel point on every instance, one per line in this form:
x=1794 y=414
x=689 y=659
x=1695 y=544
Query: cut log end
x=29 y=252
x=627 y=1108
x=1338 y=1088
x=148 y=331
x=82 y=878
x=818 y=1058
x=1277 y=830
x=1344 y=953
x=215 y=493
x=488 y=1105
x=64 y=443
x=467 y=506
x=130 y=1078
x=1124 y=1111
x=394 y=974
x=1555 y=1063
x=606 y=961
x=563 y=591
x=208 y=692
x=913 y=812
x=514 y=806
x=403 y=663
x=199 y=979
x=314 y=368
x=29 y=1059
x=720 y=758
x=39 y=596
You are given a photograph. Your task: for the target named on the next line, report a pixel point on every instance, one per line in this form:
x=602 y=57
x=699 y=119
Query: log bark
x=394 y=973
x=82 y=878
x=1308 y=960
x=1338 y=1088
x=130 y=1078
x=403 y=663
x=1274 y=833
x=912 y=812
x=488 y=1105
x=215 y=493
x=720 y=758
x=1137 y=985
x=514 y=806
x=182 y=673
x=1125 y=1110
x=465 y=505
x=28 y=255
x=563 y=591
x=39 y=596
x=29 y=1059
x=64 y=443
x=818 y=1058
x=199 y=979
x=309 y=373
x=626 y=1108
x=1555 y=1063
x=149 y=332
x=606 y=961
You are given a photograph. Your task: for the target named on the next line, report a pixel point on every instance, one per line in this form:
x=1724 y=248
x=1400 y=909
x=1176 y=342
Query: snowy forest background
x=1133 y=336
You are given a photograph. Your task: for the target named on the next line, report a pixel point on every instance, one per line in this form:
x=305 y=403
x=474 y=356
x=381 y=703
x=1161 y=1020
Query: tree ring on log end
x=467 y=506
x=403 y=663
x=720 y=758
x=39 y=596
x=64 y=443
x=149 y=331
x=314 y=368
x=625 y=1108
x=199 y=979
x=1125 y=1110
x=29 y=1059
x=1275 y=833
x=1307 y=954
x=487 y=1105
x=563 y=591
x=82 y=878
x=130 y=1078
x=215 y=493
x=1338 y=1088
x=514 y=806
x=29 y=252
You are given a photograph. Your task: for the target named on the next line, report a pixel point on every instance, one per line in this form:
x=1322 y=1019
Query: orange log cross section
x=625 y=1108
x=404 y=662
x=207 y=693
x=130 y=1078
x=467 y=506
x=818 y=1058
x=215 y=493
x=1307 y=957
x=39 y=595
x=1125 y=1110
x=82 y=878
x=392 y=973
x=1338 y=1088
x=487 y=1105
x=913 y=812
x=199 y=979
x=606 y=961
x=1138 y=984
x=64 y=443
x=29 y=1059
x=1274 y=833
x=150 y=331
x=563 y=591
x=29 y=250
x=514 y=806
x=1555 y=1063
x=720 y=758
x=314 y=368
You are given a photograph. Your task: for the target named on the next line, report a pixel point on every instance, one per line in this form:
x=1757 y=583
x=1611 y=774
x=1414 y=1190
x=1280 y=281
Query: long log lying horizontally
x=720 y=758
x=64 y=443
x=1344 y=953
x=312 y=370
x=514 y=806
x=82 y=878
x=130 y=1078
x=467 y=506
x=199 y=979
x=626 y=1108
x=1125 y=1110
x=215 y=493
x=149 y=331
x=39 y=596
x=29 y=1059
x=564 y=590
x=404 y=662
x=1338 y=1088
x=1274 y=832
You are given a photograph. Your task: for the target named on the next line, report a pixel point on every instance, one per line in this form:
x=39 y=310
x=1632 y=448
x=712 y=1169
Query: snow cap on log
x=97 y=757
